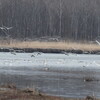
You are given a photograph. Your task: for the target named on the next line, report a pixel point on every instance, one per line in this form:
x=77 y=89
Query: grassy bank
x=53 y=45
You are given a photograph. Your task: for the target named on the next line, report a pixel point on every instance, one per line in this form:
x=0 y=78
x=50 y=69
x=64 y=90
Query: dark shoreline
x=31 y=50
x=10 y=92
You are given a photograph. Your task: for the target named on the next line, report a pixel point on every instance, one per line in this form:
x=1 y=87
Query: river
x=66 y=75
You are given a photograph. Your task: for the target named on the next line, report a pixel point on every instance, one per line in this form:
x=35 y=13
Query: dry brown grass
x=53 y=45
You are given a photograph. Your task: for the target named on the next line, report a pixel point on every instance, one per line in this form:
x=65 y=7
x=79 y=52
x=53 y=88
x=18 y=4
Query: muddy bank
x=10 y=92
x=31 y=50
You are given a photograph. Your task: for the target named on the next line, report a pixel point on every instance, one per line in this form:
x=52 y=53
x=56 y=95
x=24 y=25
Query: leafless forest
x=67 y=19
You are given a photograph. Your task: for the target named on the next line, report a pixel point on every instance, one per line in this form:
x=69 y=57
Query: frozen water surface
x=55 y=74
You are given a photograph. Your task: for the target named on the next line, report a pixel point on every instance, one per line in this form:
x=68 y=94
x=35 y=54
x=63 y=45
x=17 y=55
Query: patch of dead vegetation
x=90 y=79
x=90 y=98
x=10 y=92
x=52 y=45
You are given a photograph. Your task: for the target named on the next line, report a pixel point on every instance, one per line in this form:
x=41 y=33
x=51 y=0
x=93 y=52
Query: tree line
x=69 y=19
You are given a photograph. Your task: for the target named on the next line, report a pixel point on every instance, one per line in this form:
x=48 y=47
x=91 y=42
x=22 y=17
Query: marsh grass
x=52 y=45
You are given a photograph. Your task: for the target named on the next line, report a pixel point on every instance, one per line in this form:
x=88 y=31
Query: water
x=54 y=74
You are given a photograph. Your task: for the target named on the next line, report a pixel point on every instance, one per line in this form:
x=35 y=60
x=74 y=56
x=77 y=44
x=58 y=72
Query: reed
x=52 y=45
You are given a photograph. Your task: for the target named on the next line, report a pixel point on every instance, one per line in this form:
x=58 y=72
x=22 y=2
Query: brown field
x=53 y=45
